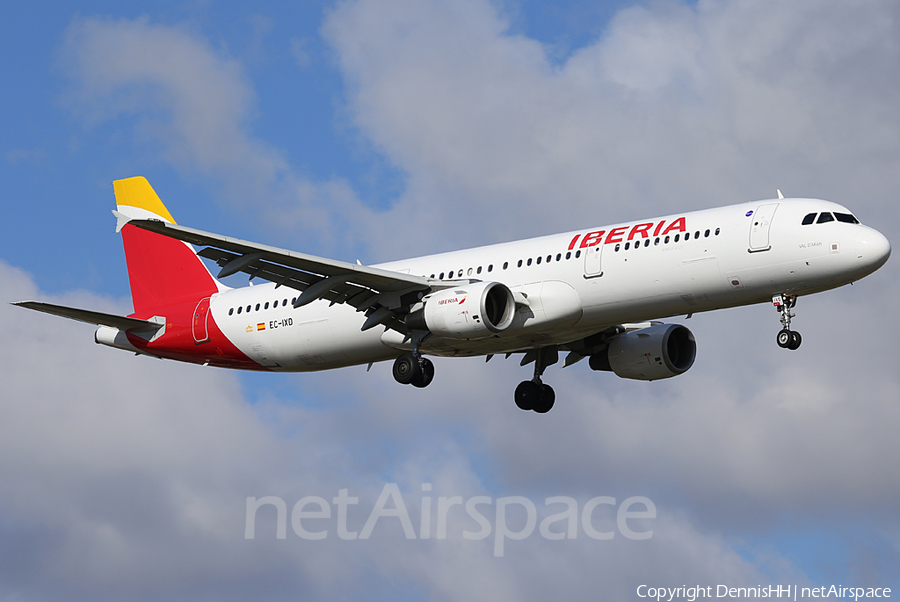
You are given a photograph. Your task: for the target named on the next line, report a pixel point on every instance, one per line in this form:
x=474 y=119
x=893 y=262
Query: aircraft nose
x=873 y=249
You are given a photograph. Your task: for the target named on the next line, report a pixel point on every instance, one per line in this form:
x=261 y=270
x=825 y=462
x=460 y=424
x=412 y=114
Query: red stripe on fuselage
x=178 y=342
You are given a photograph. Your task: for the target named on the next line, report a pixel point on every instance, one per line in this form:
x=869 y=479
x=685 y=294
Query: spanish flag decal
x=261 y=326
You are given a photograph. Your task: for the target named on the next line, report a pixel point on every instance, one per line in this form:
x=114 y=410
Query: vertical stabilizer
x=162 y=271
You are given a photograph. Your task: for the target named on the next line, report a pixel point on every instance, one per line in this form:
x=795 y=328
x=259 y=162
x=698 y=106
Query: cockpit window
x=846 y=218
x=825 y=217
x=810 y=218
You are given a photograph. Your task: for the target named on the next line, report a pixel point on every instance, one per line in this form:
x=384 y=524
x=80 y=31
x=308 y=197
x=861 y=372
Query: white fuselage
x=579 y=283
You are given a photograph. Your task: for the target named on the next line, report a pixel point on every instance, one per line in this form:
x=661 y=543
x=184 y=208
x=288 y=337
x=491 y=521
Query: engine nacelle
x=660 y=351
x=474 y=311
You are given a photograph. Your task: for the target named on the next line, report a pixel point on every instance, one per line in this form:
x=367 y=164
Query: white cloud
x=136 y=68
x=672 y=107
x=198 y=105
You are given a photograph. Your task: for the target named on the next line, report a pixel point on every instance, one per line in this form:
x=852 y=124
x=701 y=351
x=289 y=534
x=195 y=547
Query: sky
x=377 y=130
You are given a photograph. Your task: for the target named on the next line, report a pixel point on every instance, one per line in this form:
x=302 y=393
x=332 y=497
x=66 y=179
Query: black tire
x=548 y=398
x=528 y=393
x=796 y=339
x=406 y=369
x=426 y=374
x=784 y=338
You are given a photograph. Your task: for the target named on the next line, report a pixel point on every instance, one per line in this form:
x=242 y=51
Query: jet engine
x=474 y=311
x=653 y=353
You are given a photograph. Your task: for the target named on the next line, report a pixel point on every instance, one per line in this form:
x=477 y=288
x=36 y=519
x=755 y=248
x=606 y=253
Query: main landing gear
x=412 y=370
x=787 y=338
x=533 y=394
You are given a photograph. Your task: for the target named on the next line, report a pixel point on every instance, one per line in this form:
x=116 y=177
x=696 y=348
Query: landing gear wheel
x=528 y=394
x=537 y=396
x=407 y=369
x=785 y=337
x=548 y=397
x=426 y=374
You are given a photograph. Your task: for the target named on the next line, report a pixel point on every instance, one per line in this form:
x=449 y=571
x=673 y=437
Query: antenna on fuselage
x=780 y=196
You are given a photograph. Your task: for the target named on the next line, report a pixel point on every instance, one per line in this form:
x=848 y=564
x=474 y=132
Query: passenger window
x=267 y=305
x=469 y=273
x=248 y=309
x=539 y=261
x=257 y=307
x=478 y=271
x=697 y=234
x=529 y=261
x=558 y=256
x=441 y=277
x=666 y=241
x=460 y=274
x=706 y=234
x=718 y=230
x=846 y=218
x=647 y=243
x=656 y=242
x=627 y=245
x=577 y=253
x=549 y=257
x=677 y=236
x=810 y=218
x=230 y=311
x=490 y=268
x=617 y=247
x=824 y=218
x=568 y=254
x=520 y=263
x=239 y=309
x=505 y=264
x=687 y=235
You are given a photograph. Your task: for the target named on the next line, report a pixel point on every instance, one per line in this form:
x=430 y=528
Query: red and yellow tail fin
x=162 y=271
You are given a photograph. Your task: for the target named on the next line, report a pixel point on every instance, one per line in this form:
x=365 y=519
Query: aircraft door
x=199 y=323
x=593 y=267
x=760 y=223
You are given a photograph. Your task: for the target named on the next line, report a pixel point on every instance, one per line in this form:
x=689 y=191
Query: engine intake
x=475 y=311
x=660 y=351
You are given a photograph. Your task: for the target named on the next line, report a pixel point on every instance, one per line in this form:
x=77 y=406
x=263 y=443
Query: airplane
x=596 y=293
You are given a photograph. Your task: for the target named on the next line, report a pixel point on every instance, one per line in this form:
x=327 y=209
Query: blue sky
x=377 y=130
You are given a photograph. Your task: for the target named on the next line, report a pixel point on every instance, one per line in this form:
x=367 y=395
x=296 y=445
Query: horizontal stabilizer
x=91 y=317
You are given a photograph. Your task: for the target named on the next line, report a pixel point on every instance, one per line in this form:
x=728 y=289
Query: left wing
x=385 y=296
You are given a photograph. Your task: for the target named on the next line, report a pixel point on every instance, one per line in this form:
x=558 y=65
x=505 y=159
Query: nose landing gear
x=787 y=338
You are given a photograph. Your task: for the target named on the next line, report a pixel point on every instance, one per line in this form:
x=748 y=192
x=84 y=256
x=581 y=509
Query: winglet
x=136 y=192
